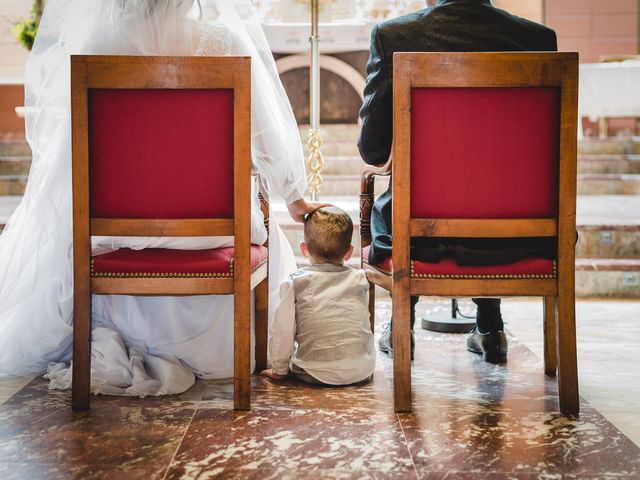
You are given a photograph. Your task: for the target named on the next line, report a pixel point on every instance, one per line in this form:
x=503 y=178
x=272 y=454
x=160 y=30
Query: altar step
x=595 y=278
x=13 y=180
x=610 y=146
x=14 y=165
x=331 y=133
x=608 y=250
x=603 y=241
x=14 y=147
x=608 y=278
x=608 y=263
x=598 y=174
x=620 y=164
x=340 y=140
x=15 y=162
x=7 y=206
x=608 y=226
x=12 y=184
x=345 y=184
x=347 y=134
x=609 y=184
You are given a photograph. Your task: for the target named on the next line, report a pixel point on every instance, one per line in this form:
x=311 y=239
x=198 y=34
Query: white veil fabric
x=275 y=136
x=140 y=346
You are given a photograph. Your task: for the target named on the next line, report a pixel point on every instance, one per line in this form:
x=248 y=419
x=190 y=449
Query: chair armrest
x=264 y=202
x=264 y=206
x=366 y=198
x=370 y=172
x=378 y=278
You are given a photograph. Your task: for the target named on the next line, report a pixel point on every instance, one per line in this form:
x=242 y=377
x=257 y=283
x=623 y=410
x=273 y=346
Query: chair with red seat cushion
x=162 y=262
x=484 y=147
x=162 y=148
x=527 y=268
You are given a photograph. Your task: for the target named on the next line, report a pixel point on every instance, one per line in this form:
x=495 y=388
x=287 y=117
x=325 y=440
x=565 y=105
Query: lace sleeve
x=214 y=40
x=276 y=151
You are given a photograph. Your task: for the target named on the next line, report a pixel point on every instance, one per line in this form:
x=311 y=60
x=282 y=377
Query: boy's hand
x=272 y=375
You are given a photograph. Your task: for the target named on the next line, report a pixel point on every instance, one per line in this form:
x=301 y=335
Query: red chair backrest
x=160 y=153
x=484 y=152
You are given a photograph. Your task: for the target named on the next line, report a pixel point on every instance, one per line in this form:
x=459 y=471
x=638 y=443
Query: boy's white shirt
x=282 y=337
x=282 y=333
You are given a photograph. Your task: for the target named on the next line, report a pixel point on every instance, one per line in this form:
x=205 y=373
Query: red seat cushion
x=162 y=262
x=534 y=267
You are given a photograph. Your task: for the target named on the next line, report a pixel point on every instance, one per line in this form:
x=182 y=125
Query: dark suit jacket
x=450 y=26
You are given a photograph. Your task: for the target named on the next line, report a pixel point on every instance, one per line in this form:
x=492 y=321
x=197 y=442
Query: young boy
x=321 y=331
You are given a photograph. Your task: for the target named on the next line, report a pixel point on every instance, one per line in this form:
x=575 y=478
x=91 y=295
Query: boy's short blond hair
x=328 y=232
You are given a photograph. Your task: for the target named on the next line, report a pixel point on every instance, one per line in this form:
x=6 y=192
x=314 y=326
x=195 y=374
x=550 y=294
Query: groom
x=446 y=26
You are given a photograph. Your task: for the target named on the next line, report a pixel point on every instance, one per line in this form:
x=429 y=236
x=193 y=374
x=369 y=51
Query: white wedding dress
x=140 y=345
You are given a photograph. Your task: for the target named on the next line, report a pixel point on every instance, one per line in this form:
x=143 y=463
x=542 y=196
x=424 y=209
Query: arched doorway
x=342 y=87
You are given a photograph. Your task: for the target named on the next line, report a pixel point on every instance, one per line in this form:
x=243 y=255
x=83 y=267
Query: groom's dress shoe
x=385 y=342
x=492 y=346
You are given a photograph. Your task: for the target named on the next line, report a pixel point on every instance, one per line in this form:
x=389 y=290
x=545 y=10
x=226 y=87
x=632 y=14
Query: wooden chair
x=484 y=147
x=162 y=147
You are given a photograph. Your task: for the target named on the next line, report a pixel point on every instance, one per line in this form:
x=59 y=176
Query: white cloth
x=322 y=325
x=117 y=369
x=354 y=36
x=609 y=89
x=150 y=345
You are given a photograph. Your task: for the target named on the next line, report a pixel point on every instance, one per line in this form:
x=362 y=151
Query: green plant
x=25 y=31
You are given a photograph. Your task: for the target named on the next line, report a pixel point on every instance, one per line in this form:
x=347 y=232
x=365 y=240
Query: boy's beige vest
x=332 y=321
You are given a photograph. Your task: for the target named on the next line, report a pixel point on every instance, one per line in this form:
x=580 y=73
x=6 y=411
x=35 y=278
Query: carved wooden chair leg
x=262 y=294
x=242 y=348
x=567 y=359
x=81 y=376
x=81 y=383
x=261 y=323
x=550 y=355
x=401 y=349
x=372 y=306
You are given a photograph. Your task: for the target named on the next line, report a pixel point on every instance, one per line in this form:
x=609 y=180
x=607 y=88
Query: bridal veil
x=35 y=248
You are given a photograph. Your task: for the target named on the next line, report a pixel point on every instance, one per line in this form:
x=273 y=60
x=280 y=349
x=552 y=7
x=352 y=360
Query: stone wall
x=531 y=9
x=12 y=54
x=591 y=27
x=11 y=96
x=12 y=60
x=594 y=27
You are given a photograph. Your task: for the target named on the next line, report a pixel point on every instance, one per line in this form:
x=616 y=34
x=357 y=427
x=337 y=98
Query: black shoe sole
x=489 y=357
x=387 y=351
x=495 y=358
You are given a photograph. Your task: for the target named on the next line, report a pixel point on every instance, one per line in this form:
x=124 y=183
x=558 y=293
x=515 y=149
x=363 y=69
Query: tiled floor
x=608 y=335
x=470 y=420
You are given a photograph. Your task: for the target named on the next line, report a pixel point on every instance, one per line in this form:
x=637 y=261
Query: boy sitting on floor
x=321 y=330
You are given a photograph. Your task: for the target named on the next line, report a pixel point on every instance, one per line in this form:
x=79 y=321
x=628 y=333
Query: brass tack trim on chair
x=523 y=276
x=505 y=276
x=166 y=275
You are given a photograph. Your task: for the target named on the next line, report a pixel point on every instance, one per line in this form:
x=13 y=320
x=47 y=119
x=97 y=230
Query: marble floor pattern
x=470 y=419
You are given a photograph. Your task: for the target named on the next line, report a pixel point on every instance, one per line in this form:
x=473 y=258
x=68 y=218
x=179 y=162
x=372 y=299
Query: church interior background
x=500 y=422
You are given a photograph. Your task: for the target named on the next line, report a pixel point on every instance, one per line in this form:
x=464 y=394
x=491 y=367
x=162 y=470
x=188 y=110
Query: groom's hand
x=300 y=208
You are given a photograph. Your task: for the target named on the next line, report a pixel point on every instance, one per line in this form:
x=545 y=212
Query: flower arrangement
x=25 y=31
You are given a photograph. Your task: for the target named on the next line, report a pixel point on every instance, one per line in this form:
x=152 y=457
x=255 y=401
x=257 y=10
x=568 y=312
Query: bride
x=140 y=345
